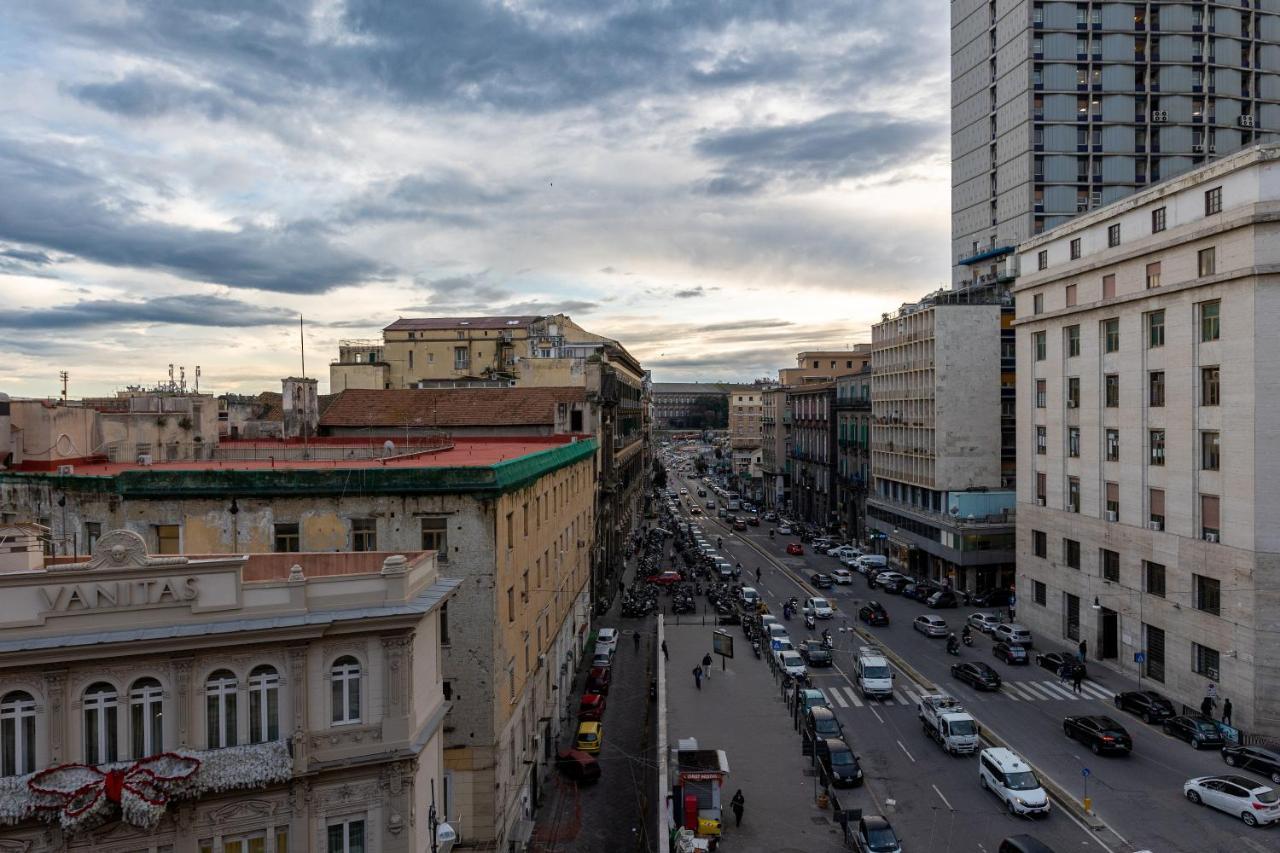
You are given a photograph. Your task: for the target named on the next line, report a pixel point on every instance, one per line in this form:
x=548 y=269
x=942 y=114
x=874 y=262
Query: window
x=1040 y=544
x=346 y=837
x=92 y=530
x=1108 y=286
x=17 y=734
x=1073 y=392
x=1040 y=394
x=1155 y=387
x=1153 y=275
x=435 y=536
x=1071 y=553
x=511 y=530
x=1073 y=341
x=1155 y=652
x=1111 y=335
x=345 y=695
x=1204 y=661
x=1155 y=329
x=1113 y=235
x=511 y=604
x=1039 y=594
x=1208 y=592
x=1072 y=608
x=1213 y=201
x=1042 y=259
x=168 y=539
x=1209 y=460
x=1207 y=261
x=461 y=358
x=1042 y=441
x=364 y=534
x=1071 y=295
x=411 y=359
x=101 y=706
x=1209 y=520
x=220 y=709
x=1209 y=323
x=1042 y=487
x=1037 y=303
x=1156 y=440
x=1073 y=494
x=264 y=704
x=1153 y=578
x=1155 y=499
x=1073 y=442
x=1110 y=564
x=1075 y=249
x=1209 y=390
x=1040 y=341
x=287 y=538
x=1113 y=445
x=146 y=718
x=1111 y=390
x=1112 y=501
x=525 y=508
x=1157 y=220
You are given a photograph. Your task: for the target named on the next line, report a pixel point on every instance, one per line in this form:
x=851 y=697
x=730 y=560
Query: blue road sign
x=1084 y=771
x=1139 y=657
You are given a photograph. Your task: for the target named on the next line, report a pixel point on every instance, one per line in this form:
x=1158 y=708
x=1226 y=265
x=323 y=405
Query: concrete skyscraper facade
x=1058 y=108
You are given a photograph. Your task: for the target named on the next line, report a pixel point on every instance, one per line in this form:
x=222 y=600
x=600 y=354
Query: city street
x=1139 y=797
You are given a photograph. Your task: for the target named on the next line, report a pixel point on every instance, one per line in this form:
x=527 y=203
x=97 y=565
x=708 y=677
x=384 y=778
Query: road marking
x=909 y=755
x=1018 y=689
x=853 y=697
x=1099 y=691
x=944 y=799
x=1037 y=691
x=912 y=698
x=835 y=694
x=1058 y=690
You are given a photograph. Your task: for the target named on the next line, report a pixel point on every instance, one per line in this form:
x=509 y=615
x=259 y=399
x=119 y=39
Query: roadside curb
x=1055 y=790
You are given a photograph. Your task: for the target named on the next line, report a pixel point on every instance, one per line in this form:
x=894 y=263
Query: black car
x=992 y=598
x=873 y=613
x=920 y=591
x=1052 y=661
x=1010 y=653
x=822 y=581
x=943 y=598
x=1099 y=733
x=976 y=674
x=1197 y=731
x=875 y=835
x=814 y=654
x=1262 y=761
x=838 y=764
x=819 y=724
x=894 y=586
x=1147 y=704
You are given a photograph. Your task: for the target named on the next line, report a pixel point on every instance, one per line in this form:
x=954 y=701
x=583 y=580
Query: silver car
x=931 y=626
x=984 y=622
x=1247 y=799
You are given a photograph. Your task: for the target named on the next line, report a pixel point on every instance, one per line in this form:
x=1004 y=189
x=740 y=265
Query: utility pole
x=64 y=376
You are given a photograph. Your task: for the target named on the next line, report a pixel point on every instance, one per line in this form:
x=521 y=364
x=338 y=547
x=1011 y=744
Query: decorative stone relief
x=55 y=686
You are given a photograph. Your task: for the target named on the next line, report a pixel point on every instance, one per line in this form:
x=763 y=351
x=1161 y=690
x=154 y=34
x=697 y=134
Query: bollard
x=1088 y=804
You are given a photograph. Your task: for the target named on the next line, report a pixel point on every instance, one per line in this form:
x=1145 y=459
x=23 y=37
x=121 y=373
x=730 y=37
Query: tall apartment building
x=1149 y=402
x=776 y=430
x=812 y=452
x=825 y=365
x=942 y=454
x=853 y=451
x=1058 y=108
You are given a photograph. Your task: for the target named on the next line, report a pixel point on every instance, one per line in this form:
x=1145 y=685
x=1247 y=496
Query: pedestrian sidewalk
x=739 y=710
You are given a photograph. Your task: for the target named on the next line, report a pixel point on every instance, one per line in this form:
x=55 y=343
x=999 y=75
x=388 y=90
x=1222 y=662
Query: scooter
x=810 y=622
x=755 y=647
x=826 y=641
x=968 y=639
x=953 y=648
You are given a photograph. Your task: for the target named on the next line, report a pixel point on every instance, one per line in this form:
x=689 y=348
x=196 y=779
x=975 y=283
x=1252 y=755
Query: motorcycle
x=810 y=622
x=755 y=647
x=953 y=648
x=826 y=641
x=968 y=639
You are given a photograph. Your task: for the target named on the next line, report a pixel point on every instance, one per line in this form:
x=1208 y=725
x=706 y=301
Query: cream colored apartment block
x=1149 y=445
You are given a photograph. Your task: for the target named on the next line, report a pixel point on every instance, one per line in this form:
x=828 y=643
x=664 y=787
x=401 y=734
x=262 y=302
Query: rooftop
x=448 y=407
x=405 y=324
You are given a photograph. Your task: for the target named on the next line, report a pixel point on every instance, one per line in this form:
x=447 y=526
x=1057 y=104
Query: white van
x=875 y=678
x=1002 y=772
x=869 y=564
x=750 y=597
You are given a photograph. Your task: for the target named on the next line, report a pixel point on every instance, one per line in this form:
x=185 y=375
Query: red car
x=664 y=579
x=795 y=549
x=598 y=680
x=591 y=707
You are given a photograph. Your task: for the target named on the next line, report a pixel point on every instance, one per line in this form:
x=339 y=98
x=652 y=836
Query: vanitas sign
x=126 y=593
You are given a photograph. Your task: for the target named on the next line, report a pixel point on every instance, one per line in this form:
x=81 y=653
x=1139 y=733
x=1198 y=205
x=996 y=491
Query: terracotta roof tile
x=448 y=407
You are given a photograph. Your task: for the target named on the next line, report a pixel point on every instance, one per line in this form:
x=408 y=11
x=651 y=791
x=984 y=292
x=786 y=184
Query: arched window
x=101 y=707
x=17 y=734
x=146 y=718
x=264 y=704
x=220 y=708
x=346 y=690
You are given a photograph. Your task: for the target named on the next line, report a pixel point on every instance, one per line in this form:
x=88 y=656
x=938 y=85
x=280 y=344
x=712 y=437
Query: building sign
x=138 y=592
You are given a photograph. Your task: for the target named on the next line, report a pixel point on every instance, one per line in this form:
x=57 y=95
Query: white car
x=1250 y=800
x=1002 y=772
x=601 y=658
x=1012 y=633
x=607 y=637
x=792 y=664
x=783 y=645
x=884 y=577
x=819 y=607
x=784 y=529
x=984 y=622
x=842 y=576
x=842 y=551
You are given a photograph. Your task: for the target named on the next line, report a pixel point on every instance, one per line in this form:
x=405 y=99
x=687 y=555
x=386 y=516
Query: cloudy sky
x=715 y=183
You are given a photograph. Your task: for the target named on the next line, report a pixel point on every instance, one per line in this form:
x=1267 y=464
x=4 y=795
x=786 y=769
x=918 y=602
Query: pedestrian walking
x=1206 y=707
x=1226 y=711
x=665 y=656
x=737 y=804
x=697 y=676
x=1082 y=651
x=1076 y=678
x=706 y=665
x=1064 y=672
x=757 y=574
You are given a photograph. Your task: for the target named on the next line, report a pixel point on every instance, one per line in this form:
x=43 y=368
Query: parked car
x=838 y=765
x=792 y=664
x=607 y=637
x=740 y=524
x=984 y=622
x=992 y=598
x=873 y=613
x=1023 y=844
x=1262 y=761
x=920 y=591
x=842 y=551
x=821 y=580
x=842 y=576
x=591 y=706
x=1010 y=653
x=1012 y=632
x=770 y=516
x=753 y=521
x=1052 y=661
x=943 y=598
x=894 y=586
x=930 y=625
x=600 y=659
x=1147 y=704
x=812 y=698
x=784 y=529
x=976 y=674
x=819 y=607
x=666 y=578
x=886 y=577
x=1098 y=732
x=1197 y=731
x=815 y=654
x=795 y=549
x=820 y=724
x=590 y=735
x=578 y=765
x=1252 y=802
x=822 y=544
x=598 y=680
x=710 y=504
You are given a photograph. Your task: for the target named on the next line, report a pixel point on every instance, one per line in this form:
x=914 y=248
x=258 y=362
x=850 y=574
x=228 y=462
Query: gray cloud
x=37 y=258
x=59 y=207
x=451 y=198
x=745 y=324
x=140 y=96
x=690 y=293
x=196 y=310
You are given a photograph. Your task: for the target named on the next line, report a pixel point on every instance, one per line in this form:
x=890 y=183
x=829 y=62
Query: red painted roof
x=448 y=407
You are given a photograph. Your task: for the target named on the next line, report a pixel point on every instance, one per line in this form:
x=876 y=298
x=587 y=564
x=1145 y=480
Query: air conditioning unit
x=1156 y=525
x=66 y=470
x=1159 y=115
x=146 y=459
x=1095 y=198
x=1245 y=121
x=1072 y=404
x=1112 y=515
x=1039 y=501
x=1197 y=149
x=1211 y=537
x=1213 y=149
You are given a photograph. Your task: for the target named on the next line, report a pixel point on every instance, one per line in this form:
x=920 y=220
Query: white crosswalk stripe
x=853 y=697
x=1018 y=690
x=1058 y=691
x=912 y=699
x=839 y=700
x=1098 y=691
x=1039 y=691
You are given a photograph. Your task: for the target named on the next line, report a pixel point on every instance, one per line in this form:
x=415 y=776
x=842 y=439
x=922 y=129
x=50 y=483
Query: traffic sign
x=1139 y=657
x=1084 y=771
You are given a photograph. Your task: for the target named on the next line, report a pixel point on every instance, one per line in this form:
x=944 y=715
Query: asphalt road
x=938 y=801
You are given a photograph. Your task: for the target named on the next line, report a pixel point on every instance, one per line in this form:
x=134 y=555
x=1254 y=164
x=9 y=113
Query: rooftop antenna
x=303 y=342
x=182 y=378
x=197 y=379
x=64 y=376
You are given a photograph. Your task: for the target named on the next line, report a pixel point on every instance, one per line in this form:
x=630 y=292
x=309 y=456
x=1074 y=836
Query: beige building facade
x=298 y=698
x=1149 y=447
x=825 y=365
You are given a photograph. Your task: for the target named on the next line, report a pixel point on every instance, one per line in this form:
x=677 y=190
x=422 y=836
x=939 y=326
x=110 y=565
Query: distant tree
x=700 y=465
x=714 y=410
